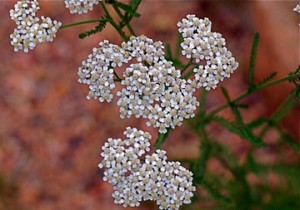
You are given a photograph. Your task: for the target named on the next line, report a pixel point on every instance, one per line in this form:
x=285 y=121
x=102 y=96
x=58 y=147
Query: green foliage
x=229 y=125
x=97 y=29
x=161 y=138
x=296 y=81
x=178 y=48
x=297 y=92
x=241 y=128
x=198 y=166
x=169 y=56
x=251 y=71
x=168 y=52
x=215 y=192
x=256 y=123
x=289 y=140
x=135 y=3
x=267 y=78
x=130 y=9
x=284 y=108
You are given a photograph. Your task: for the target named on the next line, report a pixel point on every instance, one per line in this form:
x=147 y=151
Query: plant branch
x=161 y=138
x=187 y=65
x=246 y=93
x=122 y=16
x=80 y=23
x=113 y=23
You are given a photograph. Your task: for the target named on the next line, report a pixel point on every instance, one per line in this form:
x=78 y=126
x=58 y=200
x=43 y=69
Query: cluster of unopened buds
x=152 y=88
x=31 y=30
x=138 y=177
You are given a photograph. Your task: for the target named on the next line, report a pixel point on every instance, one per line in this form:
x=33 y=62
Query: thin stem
x=190 y=73
x=283 y=109
x=118 y=79
x=187 y=65
x=205 y=148
x=113 y=23
x=122 y=16
x=161 y=138
x=79 y=23
x=178 y=47
x=246 y=93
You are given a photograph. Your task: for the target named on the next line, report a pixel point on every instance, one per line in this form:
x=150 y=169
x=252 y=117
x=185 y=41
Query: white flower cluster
x=153 y=88
x=144 y=49
x=80 y=6
x=29 y=32
x=297 y=8
x=200 y=44
x=158 y=94
x=153 y=91
x=155 y=178
x=97 y=71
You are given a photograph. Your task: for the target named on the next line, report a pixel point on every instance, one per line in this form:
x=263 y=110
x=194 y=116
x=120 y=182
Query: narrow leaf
x=252 y=164
x=97 y=29
x=199 y=166
x=225 y=93
x=268 y=78
x=231 y=126
x=284 y=108
x=214 y=191
x=246 y=132
x=202 y=108
x=298 y=92
x=178 y=47
x=168 y=52
x=290 y=141
x=127 y=8
x=251 y=71
x=135 y=3
x=242 y=106
x=256 y=123
x=110 y=1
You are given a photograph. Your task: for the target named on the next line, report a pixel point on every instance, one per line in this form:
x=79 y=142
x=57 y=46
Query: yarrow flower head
x=80 y=6
x=155 y=178
x=153 y=87
x=98 y=70
x=144 y=49
x=158 y=94
x=29 y=31
x=200 y=44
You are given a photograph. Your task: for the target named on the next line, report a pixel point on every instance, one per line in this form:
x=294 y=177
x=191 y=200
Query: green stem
x=118 y=79
x=113 y=23
x=122 y=16
x=283 y=109
x=205 y=150
x=246 y=93
x=187 y=66
x=161 y=138
x=190 y=73
x=79 y=23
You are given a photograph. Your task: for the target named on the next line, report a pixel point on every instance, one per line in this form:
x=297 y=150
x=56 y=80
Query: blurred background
x=51 y=136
